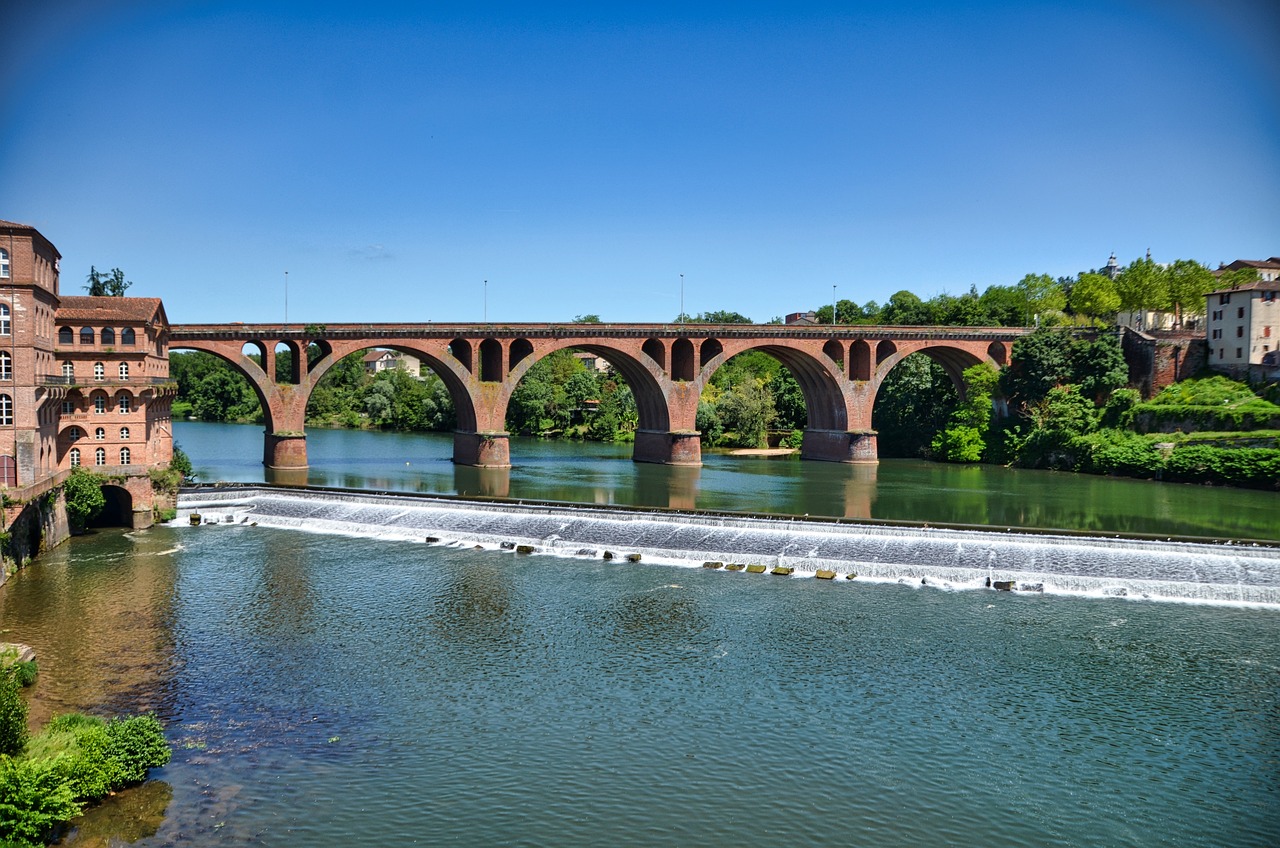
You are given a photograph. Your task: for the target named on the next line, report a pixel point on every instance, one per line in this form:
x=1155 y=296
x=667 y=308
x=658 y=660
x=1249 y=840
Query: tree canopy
x=112 y=284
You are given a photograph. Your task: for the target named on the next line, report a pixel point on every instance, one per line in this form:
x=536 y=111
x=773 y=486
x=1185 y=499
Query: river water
x=325 y=689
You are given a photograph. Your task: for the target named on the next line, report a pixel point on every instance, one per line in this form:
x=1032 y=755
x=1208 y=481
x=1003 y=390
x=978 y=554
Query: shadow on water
x=123 y=818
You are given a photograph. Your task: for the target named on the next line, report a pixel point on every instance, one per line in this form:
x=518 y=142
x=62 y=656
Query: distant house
x=802 y=318
x=1243 y=322
x=593 y=362
x=376 y=361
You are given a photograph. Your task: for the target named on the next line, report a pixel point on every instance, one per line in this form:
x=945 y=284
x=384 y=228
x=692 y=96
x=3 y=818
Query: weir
x=956 y=559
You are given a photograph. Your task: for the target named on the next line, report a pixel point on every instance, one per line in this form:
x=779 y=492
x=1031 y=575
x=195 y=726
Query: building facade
x=84 y=381
x=1242 y=328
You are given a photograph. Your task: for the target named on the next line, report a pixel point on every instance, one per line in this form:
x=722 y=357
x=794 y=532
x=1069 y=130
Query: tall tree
x=1143 y=285
x=1094 y=295
x=1189 y=282
x=1041 y=294
x=106 y=285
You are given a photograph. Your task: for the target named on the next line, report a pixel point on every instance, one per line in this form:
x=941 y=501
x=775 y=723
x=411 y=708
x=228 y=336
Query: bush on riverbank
x=74 y=761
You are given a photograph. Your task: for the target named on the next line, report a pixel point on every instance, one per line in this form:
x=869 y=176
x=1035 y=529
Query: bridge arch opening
x=491 y=361
x=913 y=402
x=766 y=394
x=216 y=386
x=657 y=351
x=117 y=510
x=391 y=386
x=682 y=364
x=520 y=348
x=460 y=349
x=860 y=360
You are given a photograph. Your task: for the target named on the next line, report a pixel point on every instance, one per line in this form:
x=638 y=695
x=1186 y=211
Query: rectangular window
x=1240 y=312
x=68 y=408
x=1239 y=353
x=1224 y=299
x=1239 y=332
x=1266 y=332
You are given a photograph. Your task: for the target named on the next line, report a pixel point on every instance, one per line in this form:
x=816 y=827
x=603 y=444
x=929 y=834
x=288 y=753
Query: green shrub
x=136 y=744
x=79 y=747
x=13 y=714
x=959 y=444
x=1250 y=467
x=83 y=490
x=33 y=798
x=25 y=673
x=1119 y=452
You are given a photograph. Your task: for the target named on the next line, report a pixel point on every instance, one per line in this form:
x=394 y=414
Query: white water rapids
x=956 y=559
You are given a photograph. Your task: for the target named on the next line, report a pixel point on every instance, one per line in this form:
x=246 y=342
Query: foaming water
x=951 y=559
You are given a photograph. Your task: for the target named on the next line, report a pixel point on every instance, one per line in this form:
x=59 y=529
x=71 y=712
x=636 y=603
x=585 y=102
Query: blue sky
x=581 y=157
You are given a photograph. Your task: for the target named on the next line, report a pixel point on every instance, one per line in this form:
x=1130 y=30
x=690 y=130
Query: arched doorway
x=117 y=511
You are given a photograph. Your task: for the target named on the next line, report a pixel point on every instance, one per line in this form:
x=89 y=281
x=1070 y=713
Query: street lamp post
x=486 y=301
x=833 y=306
x=682 y=298
x=286 y=297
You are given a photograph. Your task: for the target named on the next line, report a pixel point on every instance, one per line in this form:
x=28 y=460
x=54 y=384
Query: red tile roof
x=98 y=309
x=1256 y=285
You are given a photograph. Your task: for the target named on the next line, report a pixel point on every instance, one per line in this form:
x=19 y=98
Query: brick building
x=83 y=380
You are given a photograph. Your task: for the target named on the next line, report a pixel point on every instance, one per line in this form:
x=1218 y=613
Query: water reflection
x=123 y=818
x=122 y=636
x=669 y=487
x=482 y=482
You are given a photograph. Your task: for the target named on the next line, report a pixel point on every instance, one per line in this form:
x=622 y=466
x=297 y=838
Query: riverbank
x=946 y=558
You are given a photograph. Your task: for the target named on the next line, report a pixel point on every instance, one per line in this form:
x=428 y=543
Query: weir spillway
x=946 y=558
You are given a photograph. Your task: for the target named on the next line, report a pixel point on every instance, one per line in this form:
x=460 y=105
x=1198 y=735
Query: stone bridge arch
x=839 y=370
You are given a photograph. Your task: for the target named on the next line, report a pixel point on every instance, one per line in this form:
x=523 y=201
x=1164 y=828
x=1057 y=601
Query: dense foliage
x=83 y=493
x=75 y=760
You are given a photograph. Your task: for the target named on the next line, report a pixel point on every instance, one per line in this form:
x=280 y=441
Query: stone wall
x=34 y=526
x=1160 y=359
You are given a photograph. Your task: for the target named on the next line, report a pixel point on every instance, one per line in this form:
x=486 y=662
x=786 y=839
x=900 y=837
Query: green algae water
x=328 y=690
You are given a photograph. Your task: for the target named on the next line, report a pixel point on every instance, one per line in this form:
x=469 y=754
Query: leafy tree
x=1143 y=285
x=720 y=316
x=1040 y=361
x=1189 y=282
x=788 y=400
x=223 y=395
x=964 y=440
x=912 y=405
x=1098 y=366
x=1237 y=278
x=1041 y=294
x=1094 y=295
x=589 y=318
x=1005 y=306
x=111 y=284
x=746 y=411
x=83 y=493
x=905 y=308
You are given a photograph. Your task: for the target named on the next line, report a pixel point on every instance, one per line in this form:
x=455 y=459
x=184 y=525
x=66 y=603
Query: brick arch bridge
x=666 y=366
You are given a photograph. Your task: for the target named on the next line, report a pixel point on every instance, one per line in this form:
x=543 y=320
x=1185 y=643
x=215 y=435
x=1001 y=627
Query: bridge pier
x=483 y=450
x=284 y=450
x=668 y=447
x=855 y=446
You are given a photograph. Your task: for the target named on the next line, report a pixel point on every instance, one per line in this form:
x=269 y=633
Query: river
x=330 y=690
x=894 y=490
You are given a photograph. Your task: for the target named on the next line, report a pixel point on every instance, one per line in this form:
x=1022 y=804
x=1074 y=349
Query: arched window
x=124 y=433
x=75 y=457
x=124 y=370
x=6 y=365
x=127 y=337
x=108 y=336
x=4 y=319
x=126 y=404
x=68 y=372
x=124 y=456
x=68 y=407
x=86 y=335
x=99 y=403
x=66 y=336
x=100 y=456
x=6 y=410
x=99 y=371
x=100 y=434
x=4 y=263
